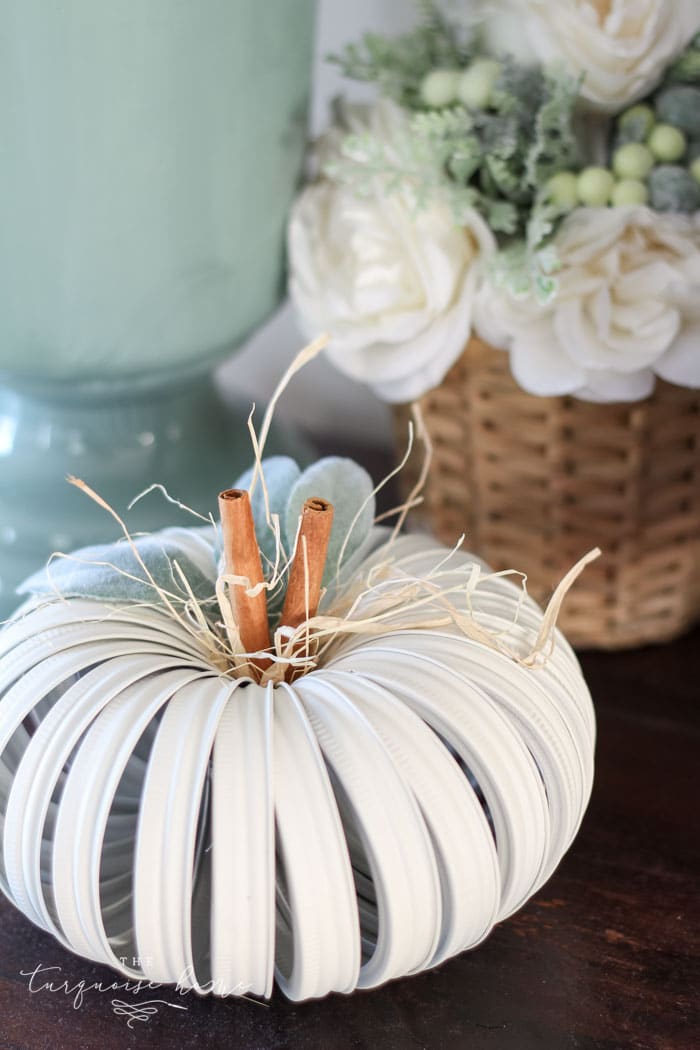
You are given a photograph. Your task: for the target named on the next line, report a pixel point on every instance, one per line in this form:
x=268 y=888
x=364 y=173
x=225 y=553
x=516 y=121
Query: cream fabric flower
x=393 y=285
x=621 y=46
x=627 y=309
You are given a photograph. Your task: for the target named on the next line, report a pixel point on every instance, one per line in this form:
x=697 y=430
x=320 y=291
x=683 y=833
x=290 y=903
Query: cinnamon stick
x=242 y=558
x=306 y=572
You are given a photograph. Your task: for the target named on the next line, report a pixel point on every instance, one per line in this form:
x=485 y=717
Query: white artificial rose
x=392 y=284
x=627 y=309
x=621 y=47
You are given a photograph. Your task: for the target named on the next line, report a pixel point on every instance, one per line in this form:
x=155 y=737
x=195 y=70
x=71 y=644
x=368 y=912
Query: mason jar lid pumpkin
x=489 y=203
x=300 y=747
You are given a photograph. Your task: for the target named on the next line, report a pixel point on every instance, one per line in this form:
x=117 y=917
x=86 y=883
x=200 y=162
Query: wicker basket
x=536 y=482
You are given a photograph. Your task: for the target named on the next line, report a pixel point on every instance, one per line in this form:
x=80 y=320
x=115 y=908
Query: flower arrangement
x=542 y=194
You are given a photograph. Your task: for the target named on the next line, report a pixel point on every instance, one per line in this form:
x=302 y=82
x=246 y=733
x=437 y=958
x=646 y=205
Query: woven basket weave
x=536 y=482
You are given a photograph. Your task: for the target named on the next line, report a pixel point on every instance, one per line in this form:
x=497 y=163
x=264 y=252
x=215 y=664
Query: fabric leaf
x=281 y=474
x=104 y=572
x=347 y=486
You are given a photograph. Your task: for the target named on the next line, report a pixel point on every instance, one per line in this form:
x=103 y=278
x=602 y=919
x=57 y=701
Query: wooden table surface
x=605 y=957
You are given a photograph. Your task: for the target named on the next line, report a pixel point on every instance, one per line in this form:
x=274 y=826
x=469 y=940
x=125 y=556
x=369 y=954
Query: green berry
x=629 y=191
x=439 y=88
x=476 y=84
x=695 y=169
x=595 y=186
x=633 y=161
x=668 y=144
x=673 y=188
x=562 y=189
x=635 y=124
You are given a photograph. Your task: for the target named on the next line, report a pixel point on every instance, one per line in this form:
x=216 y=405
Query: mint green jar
x=151 y=150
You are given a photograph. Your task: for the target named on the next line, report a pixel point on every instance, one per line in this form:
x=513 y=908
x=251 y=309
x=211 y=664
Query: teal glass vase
x=152 y=149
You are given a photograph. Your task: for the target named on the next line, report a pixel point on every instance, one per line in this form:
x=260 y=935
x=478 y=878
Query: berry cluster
x=472 y=87
x=655 y=159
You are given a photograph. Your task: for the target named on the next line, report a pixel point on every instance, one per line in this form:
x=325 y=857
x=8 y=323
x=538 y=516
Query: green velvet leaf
x=347 y=486
x=281 y=474
x=112 y=572
x=98 y=572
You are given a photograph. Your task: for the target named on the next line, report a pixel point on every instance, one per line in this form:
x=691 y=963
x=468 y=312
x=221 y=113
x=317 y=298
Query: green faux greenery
x=495 y=160
x=686 y=68
x=397 y=66
x=668 y=122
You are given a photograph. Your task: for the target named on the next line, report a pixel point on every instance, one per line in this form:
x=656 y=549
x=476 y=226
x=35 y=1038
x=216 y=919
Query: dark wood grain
x=606 y=957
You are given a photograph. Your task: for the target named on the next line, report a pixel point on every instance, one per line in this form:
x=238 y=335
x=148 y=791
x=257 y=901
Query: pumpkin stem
x=306 y=572
x=242 y=558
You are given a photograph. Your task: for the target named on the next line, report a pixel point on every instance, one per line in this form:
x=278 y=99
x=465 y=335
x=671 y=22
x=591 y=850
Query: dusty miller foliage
x=494 y=160
x=397 y=66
